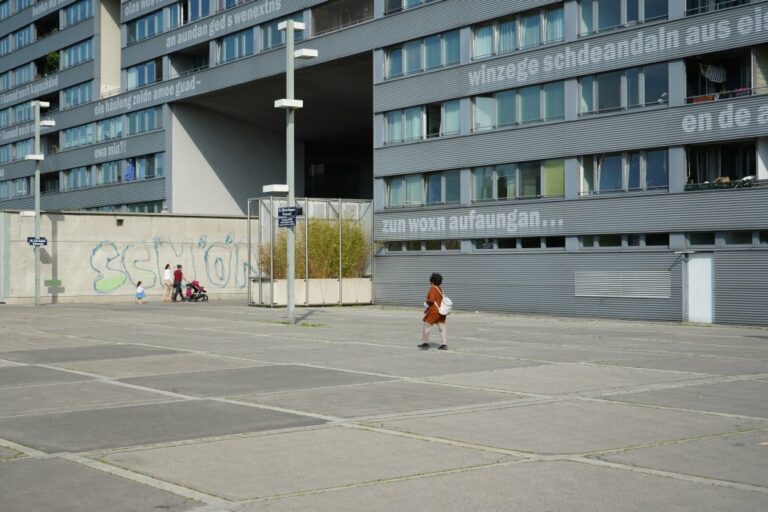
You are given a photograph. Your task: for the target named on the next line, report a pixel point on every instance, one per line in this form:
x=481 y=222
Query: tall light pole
x=38 y=157
x=291 y=104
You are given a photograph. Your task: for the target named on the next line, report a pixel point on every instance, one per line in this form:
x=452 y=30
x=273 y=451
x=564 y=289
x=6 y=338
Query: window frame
x=592 y=187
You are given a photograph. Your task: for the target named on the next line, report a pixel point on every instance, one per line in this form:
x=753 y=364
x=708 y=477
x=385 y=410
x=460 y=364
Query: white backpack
x=446 y=305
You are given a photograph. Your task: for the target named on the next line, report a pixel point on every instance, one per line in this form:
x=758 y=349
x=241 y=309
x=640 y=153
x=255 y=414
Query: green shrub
x=323 y=250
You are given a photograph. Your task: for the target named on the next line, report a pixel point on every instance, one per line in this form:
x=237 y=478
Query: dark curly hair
x=436 y=279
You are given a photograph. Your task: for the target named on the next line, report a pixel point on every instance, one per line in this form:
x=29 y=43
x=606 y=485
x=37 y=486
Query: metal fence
x=334 y=252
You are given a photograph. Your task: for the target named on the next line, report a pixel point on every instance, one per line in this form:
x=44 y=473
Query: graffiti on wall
x=221 y=264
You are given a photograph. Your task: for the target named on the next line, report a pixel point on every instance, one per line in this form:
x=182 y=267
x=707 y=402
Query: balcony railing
x=726 y=184
x=726 y=95
x=726 y=4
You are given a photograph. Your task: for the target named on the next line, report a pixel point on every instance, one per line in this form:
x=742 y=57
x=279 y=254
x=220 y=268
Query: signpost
x=286 y=217
x=34 y=241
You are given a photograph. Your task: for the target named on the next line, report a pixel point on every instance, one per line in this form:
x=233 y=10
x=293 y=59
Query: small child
x=140 y=294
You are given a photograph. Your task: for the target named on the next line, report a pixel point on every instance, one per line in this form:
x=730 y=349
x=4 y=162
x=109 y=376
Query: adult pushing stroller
x=196 y=292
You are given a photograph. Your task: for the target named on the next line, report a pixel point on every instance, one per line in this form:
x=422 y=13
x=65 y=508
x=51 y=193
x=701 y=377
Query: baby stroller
x=195 y=292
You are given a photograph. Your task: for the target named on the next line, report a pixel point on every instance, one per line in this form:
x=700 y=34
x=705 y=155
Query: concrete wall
x=96 y=259
x=219 y=162
x=107 y=44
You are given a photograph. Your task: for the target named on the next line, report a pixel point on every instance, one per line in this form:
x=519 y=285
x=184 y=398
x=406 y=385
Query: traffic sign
x=37 y=242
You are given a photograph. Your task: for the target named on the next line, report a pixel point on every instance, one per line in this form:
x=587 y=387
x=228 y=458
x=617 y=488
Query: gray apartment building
x=583 y=157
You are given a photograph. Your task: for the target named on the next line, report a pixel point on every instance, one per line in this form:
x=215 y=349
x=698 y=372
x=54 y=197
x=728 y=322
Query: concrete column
x=379 y=61
x=379 y=129
x=678 y=169
x=465 y=116
x=308 y=22
x=677 y=87
x=571 y=20
x=379 y=194
x=378 y=8
x=465 y=179
x=571 y=244
x=465 y=40
x=677 y=241
x=676 y=9
x=168 y=71
x=572 y=178
x=571 y=88
x=213 y=53
x=762 y=158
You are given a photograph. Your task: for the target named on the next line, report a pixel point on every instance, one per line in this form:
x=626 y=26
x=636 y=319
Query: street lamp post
x=38 y=157
x=291 y=104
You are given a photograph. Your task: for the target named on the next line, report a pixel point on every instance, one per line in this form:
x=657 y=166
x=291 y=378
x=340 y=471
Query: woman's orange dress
x=434 y=299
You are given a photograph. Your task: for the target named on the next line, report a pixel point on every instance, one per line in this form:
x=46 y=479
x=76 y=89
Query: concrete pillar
x=572 y=178
x=676 y=9
x=572 y=244
x=379 y=61
x=465 y=179
x=571 y=19
x=465 y=40
x=168 y=71
x=379 y=194
x=762 y=158
x=677 y=241
x=465 y=116
x=571 y=88
x=378 y=8
x=308 y=22
x=678 y=169
x=677 y=87
x=213 y=53
x=379 y=128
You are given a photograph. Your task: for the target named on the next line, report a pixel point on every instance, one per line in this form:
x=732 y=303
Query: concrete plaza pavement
x=220 y=407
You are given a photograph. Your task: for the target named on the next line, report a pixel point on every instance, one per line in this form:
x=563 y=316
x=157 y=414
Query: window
x=526 y=30
x=5 y=81
x=657 y=240
x=644 y=86
x=20 y=5
x=434 y=120
x=174 y=16
x=554 y=242
x=601 y=15
x=144 y=74
x=5 y=117
x=23 y=74
x=530 y=243
x=195 y=9
x=600 y=241
x=5 y=9
x=393 y=6
x=23 y=112
x=763 y=237
x=144 y=120
x=109 y=129
x=423 y=54
x=236 y=46
x=704 y=238
x=516 y=106
x=340 y=14
x=145 y=27
x=77 y=95
x=621 y=172
x=720 y=166
x=23 y=148
x=424 y=189
x=394 y=246
x=272 y=37
x=77 y=12
x=515 y=181
x=76 y=54
x=80 y=177
x=49 y=183
x=78 y=136
x=737 y=237
x=702 y=6
x=108 y=172
x=5 y=45
x=6 y=153
x=22 y=38
x=149 y=166
x=19 y=187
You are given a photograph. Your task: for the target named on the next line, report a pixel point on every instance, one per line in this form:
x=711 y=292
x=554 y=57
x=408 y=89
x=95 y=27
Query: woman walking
x=167 y=283
x=432 y=314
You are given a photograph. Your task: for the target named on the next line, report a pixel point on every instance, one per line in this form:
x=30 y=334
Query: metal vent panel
x=624 y=284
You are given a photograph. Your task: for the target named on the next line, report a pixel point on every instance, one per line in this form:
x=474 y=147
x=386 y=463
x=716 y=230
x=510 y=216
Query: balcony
x=727 y=75
x=722 y=166
x=694 y=7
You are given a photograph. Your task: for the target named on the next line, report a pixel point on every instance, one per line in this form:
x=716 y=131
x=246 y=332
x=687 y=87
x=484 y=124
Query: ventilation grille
x=631 y=285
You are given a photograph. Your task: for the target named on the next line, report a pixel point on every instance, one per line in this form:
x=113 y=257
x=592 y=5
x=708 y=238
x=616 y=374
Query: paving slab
x=529 y=486
x=572 y=426
x=19 y=376
x=564 y=378
x=378 y=398
x=144 y=424
x=89 y=353
x=55 y=485
x=308 y=351
x=696 y=364
x=426 y=363
x=741 y=458
x=76 y=395
x=14 y=342
x=157 y=365
x=544 y=352
x=262 y=466
x=746 y=397
x=245 y=381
